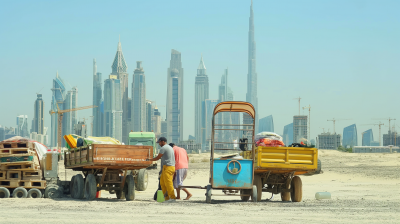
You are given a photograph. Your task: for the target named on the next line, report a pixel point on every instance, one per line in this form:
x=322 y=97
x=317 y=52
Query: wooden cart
x=107 y=167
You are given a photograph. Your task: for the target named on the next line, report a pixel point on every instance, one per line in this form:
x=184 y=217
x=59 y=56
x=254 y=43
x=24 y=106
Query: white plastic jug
x=322 y=195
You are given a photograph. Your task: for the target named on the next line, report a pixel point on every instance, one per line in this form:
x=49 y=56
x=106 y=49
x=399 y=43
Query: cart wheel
x=258 y=182
x=71 y=187
x=78 y=187
x=34 y=193
x=129 y=188
x=53 y=191
x=90 y=187
x=142 y=180
x=245 y=191
x=4 y=192
x=318 y=171
x=20 y=192
x=285 y=196
x=254 y=194
x=208 y=194
x=297 y=189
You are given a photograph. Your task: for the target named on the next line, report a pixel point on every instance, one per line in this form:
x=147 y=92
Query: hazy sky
x=340 y=57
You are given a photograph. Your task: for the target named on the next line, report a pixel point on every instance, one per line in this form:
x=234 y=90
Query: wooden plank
x=102 y=177
x=3 y=175
x=14 y=175
x=49 y=161
x=123 y=180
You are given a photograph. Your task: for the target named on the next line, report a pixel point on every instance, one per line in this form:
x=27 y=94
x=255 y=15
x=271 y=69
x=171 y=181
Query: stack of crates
x=20 y=167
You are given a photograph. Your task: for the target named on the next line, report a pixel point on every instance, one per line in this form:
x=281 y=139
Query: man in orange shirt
x=181 y=169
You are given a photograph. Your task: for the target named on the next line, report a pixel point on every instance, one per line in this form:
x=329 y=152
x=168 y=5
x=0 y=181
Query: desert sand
x=365 y=188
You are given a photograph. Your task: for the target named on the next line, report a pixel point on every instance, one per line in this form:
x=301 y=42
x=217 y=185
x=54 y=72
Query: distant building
x=81 y=129
x=156 y=120
x=367 y=138
x=149 y=115
x=191 y=137
x=119 y=69
x=329 y=141
x=70 y=118
x=288 y=134
x=38 y=115
x=391 y=138
x=208 y=107
x=57 y=101
x=2 y=133
x=139 y=99
x=350 y=136
x=113 y=108
x=175 y=98
x=190 y=146
x=299 y=128
x=97 y=99
x=22 y=126
x=201 y=94
x=266 y=124
x=375 y=143
x=164 y=129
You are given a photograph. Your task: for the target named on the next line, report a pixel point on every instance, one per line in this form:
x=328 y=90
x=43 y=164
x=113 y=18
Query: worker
x=181 y=170
x=168 y=169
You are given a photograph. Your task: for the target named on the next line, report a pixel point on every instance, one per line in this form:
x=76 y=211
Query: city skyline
x=276 y=50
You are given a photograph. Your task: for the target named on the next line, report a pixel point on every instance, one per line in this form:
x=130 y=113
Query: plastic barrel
x=322 y=195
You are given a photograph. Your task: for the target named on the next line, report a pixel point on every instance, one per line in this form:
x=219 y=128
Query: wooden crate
x=32 y=175
x=17 y=145
x=20 y=166
x=39 y=184
x=13 y=175
x=3 y=175
x=9 y=183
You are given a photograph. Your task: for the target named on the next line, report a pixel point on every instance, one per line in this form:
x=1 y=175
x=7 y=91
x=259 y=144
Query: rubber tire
x=71 y=186
x=129 y=188
x=34 y=193
x=90 y=187
x=208 y=194
x=318 y=171
x=297 y=189
x=258 y=183
x=142 y=180
x=254 y=194
x=78 y=188
x=245 y=191
x=4 y=192
x=285 y=196
x=20 y=192
x=53 y=191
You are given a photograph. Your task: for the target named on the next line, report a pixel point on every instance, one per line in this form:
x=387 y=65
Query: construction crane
x=299 y=103
x=379 y=124
x=309 y=120
x=60 y=114
x=389 y=119
x=334 y=120
x=323 y=130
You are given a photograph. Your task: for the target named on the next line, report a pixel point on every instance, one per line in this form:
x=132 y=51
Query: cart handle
x=234 y=162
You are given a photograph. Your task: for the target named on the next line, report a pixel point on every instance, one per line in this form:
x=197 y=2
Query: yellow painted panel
x=272 y=160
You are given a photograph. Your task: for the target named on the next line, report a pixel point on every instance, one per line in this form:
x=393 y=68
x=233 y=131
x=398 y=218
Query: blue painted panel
x=222 y=178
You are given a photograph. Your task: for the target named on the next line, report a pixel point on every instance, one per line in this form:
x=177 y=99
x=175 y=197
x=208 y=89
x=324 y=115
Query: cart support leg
x=102 y=177
x=123 y=180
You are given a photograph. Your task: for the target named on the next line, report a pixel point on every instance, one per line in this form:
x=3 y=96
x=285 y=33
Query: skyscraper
x=299 y=128
x=288 y=134
x=139 y=99
x=97 y=96
x=38 y=116
x=251 y=95
x=156 y=122
x=208 y=110
x=149 y=115
x=22 y=126
x=113 y=108
x=2 y=133
x=175 y=98
x=119 y=69
x=58 y=97
x=70 y=118
x=367 y=137
x=201 y=94
x=266 y=124
x=350 y=136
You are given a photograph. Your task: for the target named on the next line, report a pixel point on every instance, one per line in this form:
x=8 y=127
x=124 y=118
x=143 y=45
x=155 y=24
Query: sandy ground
x=364 y=188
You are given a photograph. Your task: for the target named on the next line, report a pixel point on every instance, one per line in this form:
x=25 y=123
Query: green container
x=16 y=159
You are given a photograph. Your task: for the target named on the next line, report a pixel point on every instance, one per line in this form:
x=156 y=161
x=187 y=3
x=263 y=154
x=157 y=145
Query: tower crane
x=334 y=120
x=299 y=103
x=379 y=124
x=60 y=114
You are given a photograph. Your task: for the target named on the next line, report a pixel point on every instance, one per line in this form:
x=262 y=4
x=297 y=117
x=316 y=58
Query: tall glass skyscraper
x=201 y=94
x=139 y=99
x=288 y=134
x=22 y=124
x=58 y=97
x=113 y=108
x=251 y=95
x=70 y=118
x=38 y=115
x=350 y=136
x=208 y=110
x=175 y=99
x=266 y=124
x=119 y=69
x=367 y=138
x=97 y=97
